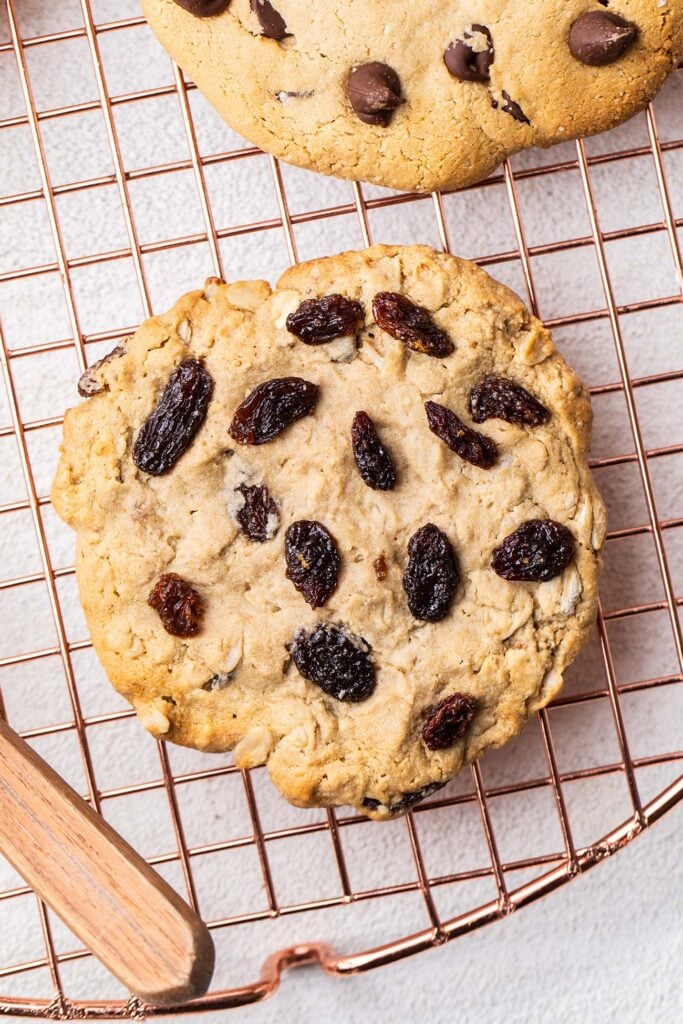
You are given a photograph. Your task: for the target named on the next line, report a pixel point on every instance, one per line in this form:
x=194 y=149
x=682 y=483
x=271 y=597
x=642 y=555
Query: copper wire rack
x=597 y=767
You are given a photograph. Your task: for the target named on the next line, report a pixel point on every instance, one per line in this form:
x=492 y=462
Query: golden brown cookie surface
x=433 y=94
x=323 y=597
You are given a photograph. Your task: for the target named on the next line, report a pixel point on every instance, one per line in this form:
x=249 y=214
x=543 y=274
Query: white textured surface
x=607 y=948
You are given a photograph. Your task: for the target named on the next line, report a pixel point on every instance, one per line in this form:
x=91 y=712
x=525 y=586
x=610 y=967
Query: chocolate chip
x=467 y=63
x=374 y=91
x=597 y=37
x=514 y=109
x=203 y=8
x=271 y=21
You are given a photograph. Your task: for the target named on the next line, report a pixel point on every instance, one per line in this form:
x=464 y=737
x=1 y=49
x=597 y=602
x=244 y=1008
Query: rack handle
x=119 y=908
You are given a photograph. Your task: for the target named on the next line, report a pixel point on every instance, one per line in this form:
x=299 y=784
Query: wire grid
x=483 y=891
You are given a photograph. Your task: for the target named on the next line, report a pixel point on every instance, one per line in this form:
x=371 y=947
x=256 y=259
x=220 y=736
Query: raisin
x=338 y=662
x=179 y=605
x=170 y=429
x=312 y=561
x=380 y=567
x=407 y=800
x=374 y=461
x=500 y=398
x=318 y=321
x=411 y=324
x=271 y=407
x=258 y=518
x=470 y=445
x=88 y=384
x=448 y=721
x=372 y=803
x=538 y=550
x=431 y=577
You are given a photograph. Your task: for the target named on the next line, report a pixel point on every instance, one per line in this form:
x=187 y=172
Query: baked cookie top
x=422 y=95
x=345 y=527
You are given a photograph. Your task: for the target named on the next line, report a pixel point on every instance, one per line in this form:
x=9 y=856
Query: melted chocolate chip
x=467 y=63
x=271 y=21
x=203 y=8
x=597 y=38
x=514 y=109
x=374 y=91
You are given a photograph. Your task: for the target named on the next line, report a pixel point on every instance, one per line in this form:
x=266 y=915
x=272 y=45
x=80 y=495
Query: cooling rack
x=119 y=189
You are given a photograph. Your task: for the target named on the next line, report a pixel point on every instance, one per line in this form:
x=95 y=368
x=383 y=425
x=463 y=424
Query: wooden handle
x=128 y=916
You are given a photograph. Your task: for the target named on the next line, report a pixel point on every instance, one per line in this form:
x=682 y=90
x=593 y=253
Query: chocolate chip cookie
x=425 y=95
x=344 y=527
